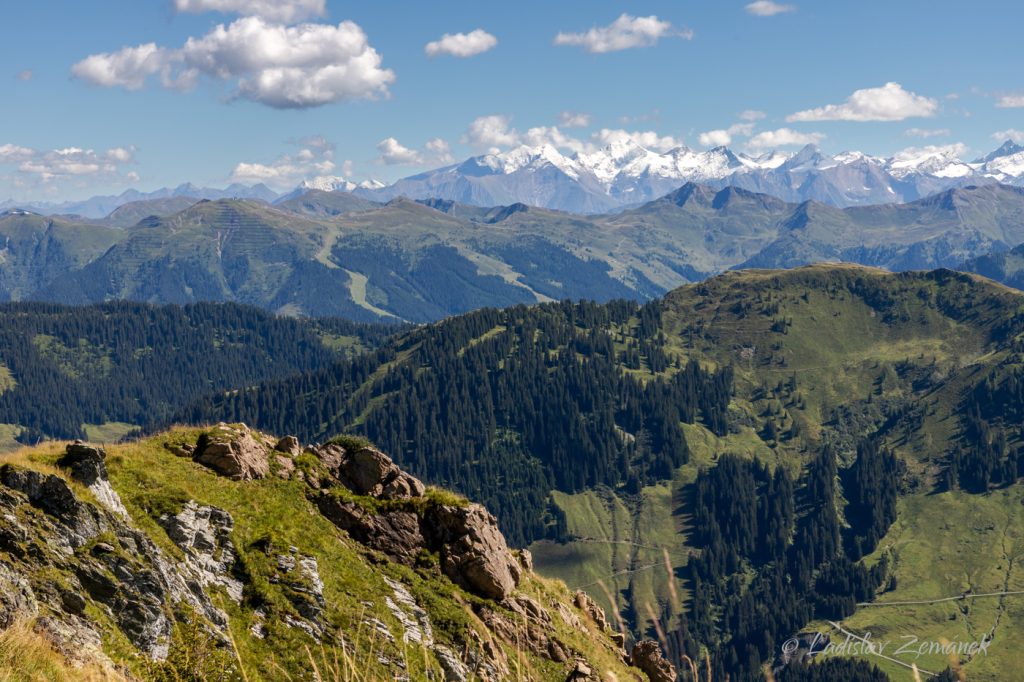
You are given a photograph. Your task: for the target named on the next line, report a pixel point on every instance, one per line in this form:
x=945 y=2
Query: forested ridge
x=63 y=367
x=506 y=406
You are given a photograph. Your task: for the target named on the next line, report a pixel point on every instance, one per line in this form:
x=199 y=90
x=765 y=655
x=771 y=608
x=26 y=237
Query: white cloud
x=724 y=137
x=394 y=153
x=925 y=133
x=574 y=119
x=1001 y=136
x=752 y=115
x=462 y=44
x=25 y=75
x=647 y=139
x=624 y=33
x=887 y=103
x=128 y=68
x=783 y=137
x=69 y=162
x=551 y=135
x=285 y=11
x=491 y=132
x=286 y=67
x=767 y=8
x=314 y=158
x=1010 y=101
x=439 y=151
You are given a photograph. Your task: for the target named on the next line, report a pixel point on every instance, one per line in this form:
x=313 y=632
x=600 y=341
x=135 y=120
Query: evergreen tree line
x=505 y=406
x=984 y=457
x=139 y=364
x=774 y=555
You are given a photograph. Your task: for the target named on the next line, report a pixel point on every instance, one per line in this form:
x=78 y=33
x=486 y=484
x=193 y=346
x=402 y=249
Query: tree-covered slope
x=107 y=369
x=600 y=428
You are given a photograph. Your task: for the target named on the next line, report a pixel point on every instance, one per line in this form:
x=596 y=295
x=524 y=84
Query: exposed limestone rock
x=647 y=657
x=88 y=466
x=16 y=597
x=454 y=670
x=415 y=622
x=233 y=452
x=300 y=578
x=581 y=671
x=204 y=534
x=568 y=617
x=526 y=560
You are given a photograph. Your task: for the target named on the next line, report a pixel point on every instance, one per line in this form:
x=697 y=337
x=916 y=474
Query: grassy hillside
x=822 y=359
x=357 y=614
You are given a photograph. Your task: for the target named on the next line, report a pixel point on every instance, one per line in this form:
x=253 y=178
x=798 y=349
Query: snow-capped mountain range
x=626 y=174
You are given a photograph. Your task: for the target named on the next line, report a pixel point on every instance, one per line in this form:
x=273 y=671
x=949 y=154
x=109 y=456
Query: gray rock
x=289 y=445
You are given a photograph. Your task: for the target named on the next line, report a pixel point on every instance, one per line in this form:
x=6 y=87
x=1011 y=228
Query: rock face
x=204 y=535
x=88 y=466
x=233 y=452
x=647 y=657
x=473 y=550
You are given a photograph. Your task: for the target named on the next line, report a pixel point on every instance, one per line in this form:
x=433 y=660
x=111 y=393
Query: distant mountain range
x=338 y=253
x=625 y=175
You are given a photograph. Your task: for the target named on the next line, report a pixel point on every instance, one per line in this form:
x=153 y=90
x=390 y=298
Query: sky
x=103 y=95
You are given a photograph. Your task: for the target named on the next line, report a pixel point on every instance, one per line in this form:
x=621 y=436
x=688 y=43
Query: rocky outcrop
x=88 y=466
x=204 y=534
x=473 y=551
x=234 y=452
x=647 y=657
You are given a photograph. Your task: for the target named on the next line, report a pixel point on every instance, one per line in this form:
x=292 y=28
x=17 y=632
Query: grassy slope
x=151 y=481
x=841 y=350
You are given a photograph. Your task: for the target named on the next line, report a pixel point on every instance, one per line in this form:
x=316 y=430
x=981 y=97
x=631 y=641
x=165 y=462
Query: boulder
x=233 y=452
x=285 y=466
x=289 y=445
x=647 y=657
x=473 y=551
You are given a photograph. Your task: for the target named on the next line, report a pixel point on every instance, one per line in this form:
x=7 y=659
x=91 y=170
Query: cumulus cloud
x=67 y=163
x=724 y=137
x=394 y=153
x=624 y=33
x=887 y=103
x=767 y=8
x=314 y=158
x=462 y=44
x=1010 y=101
x=285 y=11
x=573 y=119
x=286 y=67
x=1011 y=134
x=491 y=132
x=439 y=151
x=128 y=68
x=647 y=139
x=925 y=133
x=783 y=137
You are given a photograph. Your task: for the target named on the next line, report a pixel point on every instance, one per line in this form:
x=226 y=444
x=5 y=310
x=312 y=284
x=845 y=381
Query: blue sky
x=283 y=89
